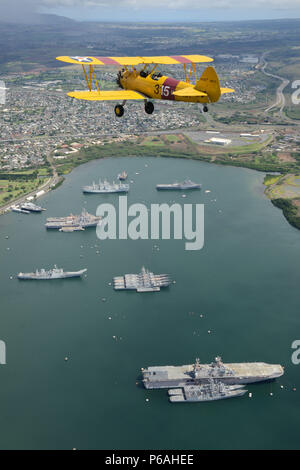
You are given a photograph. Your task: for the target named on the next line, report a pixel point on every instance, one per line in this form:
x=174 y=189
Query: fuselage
x=157 y=86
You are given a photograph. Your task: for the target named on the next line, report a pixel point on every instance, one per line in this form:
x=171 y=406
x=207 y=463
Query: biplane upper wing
x=167 y=60
x=113 y=95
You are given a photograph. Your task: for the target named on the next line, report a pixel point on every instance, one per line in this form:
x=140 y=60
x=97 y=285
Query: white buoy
x=271 y=394
x=281 y=386
x=66 y=358
x=147 y=399
x=250 y=395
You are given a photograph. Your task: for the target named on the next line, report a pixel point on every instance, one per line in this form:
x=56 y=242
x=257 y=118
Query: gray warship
x=187 y=184
x=82 y=220
x=145 y=281
x=213 y=390
x=55 y=273
x=106 y=187
x=195 y=374
x=29 y=206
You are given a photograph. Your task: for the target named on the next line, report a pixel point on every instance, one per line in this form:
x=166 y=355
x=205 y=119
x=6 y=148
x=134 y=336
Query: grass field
x=17 y=183
x=10 y=190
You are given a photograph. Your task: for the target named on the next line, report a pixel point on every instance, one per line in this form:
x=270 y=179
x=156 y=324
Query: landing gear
x=205 y=109
x=149 y=107
x=119 y=110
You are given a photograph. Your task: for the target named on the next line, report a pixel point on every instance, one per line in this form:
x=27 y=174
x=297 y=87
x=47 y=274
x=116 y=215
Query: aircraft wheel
x=149 y=107
x=119 y=110
x=205 y=109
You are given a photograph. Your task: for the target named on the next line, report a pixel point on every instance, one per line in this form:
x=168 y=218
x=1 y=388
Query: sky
x=152 y=10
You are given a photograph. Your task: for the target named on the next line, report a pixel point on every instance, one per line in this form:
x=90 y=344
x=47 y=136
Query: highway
x=280 y=98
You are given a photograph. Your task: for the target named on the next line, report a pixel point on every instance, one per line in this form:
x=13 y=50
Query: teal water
x=245 y=282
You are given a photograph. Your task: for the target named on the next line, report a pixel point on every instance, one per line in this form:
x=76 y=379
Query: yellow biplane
x=140 y=79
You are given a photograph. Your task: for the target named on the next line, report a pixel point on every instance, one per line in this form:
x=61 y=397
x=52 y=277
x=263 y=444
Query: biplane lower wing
x=114 y=95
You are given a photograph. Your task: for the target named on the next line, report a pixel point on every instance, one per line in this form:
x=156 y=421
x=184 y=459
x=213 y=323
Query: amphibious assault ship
x=145 y=281
x=82 y=220
x=187 y=184
x=55 y=273
x=195 y=374
x=211 y=391
x=106 y=187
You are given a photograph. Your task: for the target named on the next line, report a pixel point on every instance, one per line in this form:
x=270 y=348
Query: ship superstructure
x=82 y=220
x=187 y=184
x=145 y=281
x=194 y=374
x=106 y=187
x=55 y=273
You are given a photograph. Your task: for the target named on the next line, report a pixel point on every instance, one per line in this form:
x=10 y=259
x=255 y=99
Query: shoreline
x=132 y=149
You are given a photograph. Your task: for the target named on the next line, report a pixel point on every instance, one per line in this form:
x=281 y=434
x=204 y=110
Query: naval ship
x=29 y=206
x=106 y=187
x=145 y=281
x=122 y=176
x=211 y=391
x=82 y=220
x=187 y=184
x=55 y=273
x=194 y=374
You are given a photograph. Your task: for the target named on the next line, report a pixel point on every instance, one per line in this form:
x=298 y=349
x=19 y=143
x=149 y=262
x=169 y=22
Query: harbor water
x=75 y=347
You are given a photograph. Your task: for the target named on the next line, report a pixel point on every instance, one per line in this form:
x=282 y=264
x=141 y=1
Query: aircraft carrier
x=82 y=220
x=211 y=391
x=187 y=184
x=55 y=273
x=106 y=187
x=195 y=374
x=145 y=281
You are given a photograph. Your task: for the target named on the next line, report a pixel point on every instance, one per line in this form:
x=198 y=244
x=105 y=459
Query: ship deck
x=244 y=369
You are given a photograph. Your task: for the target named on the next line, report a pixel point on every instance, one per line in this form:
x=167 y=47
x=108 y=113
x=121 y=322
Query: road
x=280 y=98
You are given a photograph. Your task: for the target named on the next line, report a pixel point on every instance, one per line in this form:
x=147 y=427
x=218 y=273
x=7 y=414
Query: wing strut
x=90 y=80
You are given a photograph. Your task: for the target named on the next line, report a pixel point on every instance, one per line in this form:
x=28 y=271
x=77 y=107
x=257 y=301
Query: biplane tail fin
x=209 y=83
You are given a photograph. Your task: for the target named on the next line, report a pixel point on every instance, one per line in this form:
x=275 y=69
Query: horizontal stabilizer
x=114 y=95
x=189 y=92
x=227 y=90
